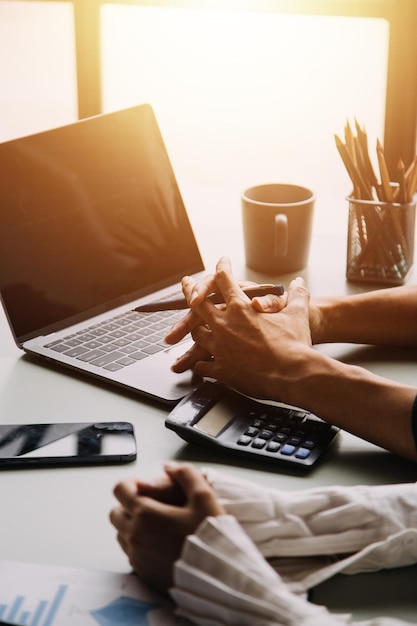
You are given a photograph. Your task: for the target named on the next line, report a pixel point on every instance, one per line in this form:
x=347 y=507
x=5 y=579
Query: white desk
x=60 y=516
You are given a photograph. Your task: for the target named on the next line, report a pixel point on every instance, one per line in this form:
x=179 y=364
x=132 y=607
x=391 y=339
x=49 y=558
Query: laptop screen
x=91 y=217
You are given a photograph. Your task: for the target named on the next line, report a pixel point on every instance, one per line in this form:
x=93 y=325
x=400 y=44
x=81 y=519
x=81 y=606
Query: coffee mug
x=277 y=224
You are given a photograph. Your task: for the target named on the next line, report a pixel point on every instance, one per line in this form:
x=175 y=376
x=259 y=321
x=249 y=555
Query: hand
x=265 y=304
x=257 y=353
x=153 y=520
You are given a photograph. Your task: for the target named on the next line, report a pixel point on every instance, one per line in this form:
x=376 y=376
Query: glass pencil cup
x=380 y=245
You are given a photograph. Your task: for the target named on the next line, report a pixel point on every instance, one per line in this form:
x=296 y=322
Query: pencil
x=402 y=189
x=174 y=304
x=363 y=142
x=352 y=169
x=411 y=177
x=350 y=142
x=385 y=180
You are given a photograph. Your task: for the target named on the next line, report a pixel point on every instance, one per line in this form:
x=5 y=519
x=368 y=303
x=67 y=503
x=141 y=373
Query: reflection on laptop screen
x=90 y=217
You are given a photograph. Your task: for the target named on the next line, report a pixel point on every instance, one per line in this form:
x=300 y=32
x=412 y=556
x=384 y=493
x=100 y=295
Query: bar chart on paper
x=43 y=614
x=41 y=595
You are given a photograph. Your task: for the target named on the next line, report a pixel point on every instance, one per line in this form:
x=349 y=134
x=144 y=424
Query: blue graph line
x=12 y=616
x=14 y=608
x=55 y=605
x=38 y=613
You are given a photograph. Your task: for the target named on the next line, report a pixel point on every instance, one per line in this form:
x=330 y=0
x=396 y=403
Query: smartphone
x=85 y=443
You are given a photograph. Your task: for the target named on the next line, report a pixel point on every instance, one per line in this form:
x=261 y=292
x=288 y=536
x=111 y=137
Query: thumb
x=196 y=489
x=269 y=303
x=298 y=294
x=185 y=475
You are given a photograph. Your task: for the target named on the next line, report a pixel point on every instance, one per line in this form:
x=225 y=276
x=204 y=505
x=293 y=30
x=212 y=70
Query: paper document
x=45 y=595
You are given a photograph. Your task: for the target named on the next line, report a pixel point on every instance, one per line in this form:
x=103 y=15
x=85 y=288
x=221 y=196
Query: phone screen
x=40 y=445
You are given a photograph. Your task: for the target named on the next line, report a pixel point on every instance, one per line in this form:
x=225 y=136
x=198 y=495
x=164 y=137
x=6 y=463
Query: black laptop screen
x=90 y=217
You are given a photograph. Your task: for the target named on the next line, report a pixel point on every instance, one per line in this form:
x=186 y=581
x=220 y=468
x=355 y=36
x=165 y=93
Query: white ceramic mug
x=277 y=225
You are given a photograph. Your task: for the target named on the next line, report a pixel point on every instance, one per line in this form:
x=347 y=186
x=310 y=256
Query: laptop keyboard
x=120 y=341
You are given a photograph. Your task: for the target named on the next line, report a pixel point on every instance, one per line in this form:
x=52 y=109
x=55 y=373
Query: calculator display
x=213 y=422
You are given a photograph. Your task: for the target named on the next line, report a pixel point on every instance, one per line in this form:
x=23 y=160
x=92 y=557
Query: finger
x=163 y=489
x=123 y=543
x=298 y=294
x=126 y=492
x=270 y=303
x=194 y=485
x=182 y=328
x=187 y=360
x=203 y=337
x=200 y=290
x=184 y=474
x=226 y=283
x=120 y=518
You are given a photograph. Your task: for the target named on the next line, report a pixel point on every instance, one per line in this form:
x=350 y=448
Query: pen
x=172 y=304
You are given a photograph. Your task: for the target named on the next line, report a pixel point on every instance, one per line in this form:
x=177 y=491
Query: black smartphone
x=85 y=443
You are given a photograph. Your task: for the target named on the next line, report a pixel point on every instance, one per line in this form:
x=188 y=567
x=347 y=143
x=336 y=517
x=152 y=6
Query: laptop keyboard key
x=153 y=349
x=119 y=342
x=91 y=355
x=107 y=358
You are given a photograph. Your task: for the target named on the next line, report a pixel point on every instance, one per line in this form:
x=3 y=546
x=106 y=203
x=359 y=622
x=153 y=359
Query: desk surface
x=60 y=516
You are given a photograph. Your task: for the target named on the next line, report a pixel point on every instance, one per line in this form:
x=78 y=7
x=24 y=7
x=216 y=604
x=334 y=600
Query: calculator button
x=287 y=449
x=294 y=441
x=280 y=437
x=273 y=446
x=252 y=432
x=309 y=443
x=244 y=440
x=302 y=453
x=258 y=443
x=265 y=434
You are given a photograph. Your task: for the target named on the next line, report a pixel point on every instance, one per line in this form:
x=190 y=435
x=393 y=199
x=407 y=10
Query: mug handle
x=281 y=235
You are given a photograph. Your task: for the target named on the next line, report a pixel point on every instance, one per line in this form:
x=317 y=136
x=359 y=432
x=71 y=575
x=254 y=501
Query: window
x=37 y=73
x=248 y=97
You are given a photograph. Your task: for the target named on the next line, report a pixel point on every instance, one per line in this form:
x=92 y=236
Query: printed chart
x=40 y=595
x=43 y=615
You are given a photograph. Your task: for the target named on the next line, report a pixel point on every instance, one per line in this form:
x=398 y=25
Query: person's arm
x=270 y=356
x=358 y=528
x=176 y=532
x=221 y=579
x=381 y=317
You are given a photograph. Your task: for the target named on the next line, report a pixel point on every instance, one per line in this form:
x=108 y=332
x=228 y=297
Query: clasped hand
x=254 y=346
x=153 y=519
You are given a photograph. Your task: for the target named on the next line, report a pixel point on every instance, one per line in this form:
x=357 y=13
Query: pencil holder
x=380 y=246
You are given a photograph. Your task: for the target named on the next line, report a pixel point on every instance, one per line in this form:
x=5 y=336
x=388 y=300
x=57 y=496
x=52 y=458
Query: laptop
x=92 y=224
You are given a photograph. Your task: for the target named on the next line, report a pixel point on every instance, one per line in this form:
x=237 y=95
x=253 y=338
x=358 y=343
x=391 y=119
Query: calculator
x=215 y=416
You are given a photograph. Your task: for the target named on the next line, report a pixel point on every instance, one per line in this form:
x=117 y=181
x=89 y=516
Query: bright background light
x=37 y=69
x=246 y=97
x=242 y=97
